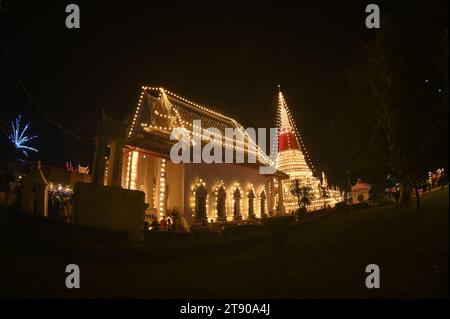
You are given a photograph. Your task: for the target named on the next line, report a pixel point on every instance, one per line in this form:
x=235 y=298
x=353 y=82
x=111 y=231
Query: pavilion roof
x=160 y=110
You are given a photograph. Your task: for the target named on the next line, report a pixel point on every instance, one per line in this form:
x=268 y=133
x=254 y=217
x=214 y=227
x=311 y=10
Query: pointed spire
x=324 y=180
x=287 y=140
x=291 y=158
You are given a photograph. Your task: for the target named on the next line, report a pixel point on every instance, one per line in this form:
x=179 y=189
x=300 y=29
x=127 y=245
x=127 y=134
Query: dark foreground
x=323 y=259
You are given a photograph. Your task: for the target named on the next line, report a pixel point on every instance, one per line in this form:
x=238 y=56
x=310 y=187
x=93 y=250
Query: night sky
x=228 y=55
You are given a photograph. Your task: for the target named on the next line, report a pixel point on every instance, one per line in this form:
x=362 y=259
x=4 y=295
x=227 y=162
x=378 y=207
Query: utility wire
x=8 y=89
x=2 y=8
x=45 y=115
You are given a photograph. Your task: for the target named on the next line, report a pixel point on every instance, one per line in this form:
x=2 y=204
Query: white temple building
x=199 y=192
x=139 y=159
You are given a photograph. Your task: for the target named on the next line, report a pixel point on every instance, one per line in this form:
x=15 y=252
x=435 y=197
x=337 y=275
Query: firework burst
x=19 y=137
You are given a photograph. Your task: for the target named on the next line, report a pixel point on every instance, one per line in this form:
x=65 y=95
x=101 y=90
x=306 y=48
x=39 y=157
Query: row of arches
x=201 y=195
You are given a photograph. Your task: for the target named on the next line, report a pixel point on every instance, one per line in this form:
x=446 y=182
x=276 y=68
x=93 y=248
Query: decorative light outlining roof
x=292 y=157
x=249 y=145
x=286 y=123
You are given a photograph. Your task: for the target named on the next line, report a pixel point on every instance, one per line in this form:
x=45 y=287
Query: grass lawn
x=324 y=259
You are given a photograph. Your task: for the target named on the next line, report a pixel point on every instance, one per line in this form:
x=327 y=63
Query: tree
x=302 y=193
x=397 y=100
x=324 y=194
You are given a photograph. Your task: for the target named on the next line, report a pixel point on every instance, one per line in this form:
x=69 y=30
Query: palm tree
x=302 y=193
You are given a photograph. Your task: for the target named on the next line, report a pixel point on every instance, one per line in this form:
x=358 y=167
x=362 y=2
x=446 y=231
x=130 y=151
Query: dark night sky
x=230 y=55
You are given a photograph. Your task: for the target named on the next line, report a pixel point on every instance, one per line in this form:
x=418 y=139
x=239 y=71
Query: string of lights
x=250 y=146
x=282 y=105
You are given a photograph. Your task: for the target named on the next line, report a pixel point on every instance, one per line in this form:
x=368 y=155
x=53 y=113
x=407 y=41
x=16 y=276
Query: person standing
x=163 y=223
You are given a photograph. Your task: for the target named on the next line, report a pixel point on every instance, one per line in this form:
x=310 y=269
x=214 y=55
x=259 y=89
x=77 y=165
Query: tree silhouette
x=397 y=101
x=302 y=193
x=324 y=194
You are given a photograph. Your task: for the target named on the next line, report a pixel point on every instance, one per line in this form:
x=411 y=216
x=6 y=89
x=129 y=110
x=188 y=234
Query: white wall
x=231 y=174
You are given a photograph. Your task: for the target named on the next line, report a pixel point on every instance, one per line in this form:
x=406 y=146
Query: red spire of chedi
x=287 y=140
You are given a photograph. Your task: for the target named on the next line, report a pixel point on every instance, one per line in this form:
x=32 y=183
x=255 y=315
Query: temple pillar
x=281 y=209
x=98 y=171
x=112 y=133
x=270 y=195
x=251 y=204
x=110 y=206
x=262 y=205
x=221 y=200
x=237 y=215
x=116 y=162
x=200 y=205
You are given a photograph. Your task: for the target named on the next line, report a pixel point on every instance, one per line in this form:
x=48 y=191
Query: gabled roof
x=160 y=110
x=361 y=186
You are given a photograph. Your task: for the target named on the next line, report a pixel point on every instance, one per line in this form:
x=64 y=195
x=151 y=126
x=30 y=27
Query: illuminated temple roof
x=159 y=110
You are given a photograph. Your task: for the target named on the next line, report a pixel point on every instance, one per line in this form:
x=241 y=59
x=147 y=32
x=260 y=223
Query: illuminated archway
x=200 y=202
x=251 y=203
x=237 y=203
x=221 y=200
x=262 y=204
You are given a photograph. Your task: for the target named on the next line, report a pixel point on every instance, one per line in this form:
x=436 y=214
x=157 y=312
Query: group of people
x=437 y=179
x=166 y=223
x=60 y=206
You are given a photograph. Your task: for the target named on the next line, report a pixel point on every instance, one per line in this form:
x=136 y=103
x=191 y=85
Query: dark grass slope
x=325 y=258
